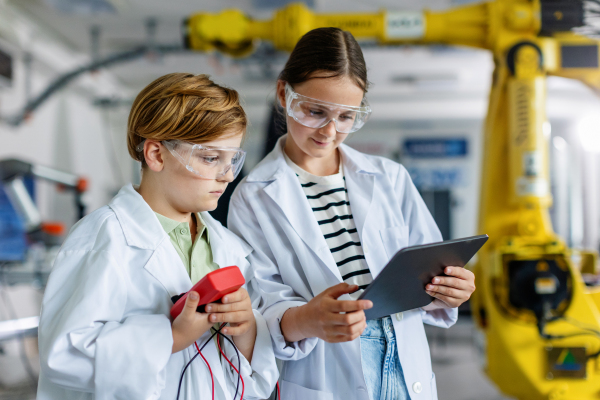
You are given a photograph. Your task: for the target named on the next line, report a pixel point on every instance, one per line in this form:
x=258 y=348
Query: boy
x=105 y=331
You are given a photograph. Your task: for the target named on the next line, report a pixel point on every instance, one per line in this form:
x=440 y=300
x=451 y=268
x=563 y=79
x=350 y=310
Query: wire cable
x=236 y=369
x=193 y=358
x=587 y=331
x=212 y=379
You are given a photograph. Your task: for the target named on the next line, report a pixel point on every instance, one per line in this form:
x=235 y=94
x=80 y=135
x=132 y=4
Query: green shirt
x=197 y=256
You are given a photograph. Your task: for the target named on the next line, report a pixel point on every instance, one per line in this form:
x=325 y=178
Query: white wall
x=67 y=133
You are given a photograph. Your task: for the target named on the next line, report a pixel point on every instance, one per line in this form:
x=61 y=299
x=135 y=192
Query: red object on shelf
x=212 y=288
x=82 y=185
x=53 y=228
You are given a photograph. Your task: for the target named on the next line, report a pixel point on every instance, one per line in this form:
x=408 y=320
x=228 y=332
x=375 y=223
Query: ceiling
x=126 y=27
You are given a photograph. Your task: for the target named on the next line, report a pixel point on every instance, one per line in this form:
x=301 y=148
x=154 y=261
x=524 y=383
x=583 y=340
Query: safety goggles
x=206 y=161
x=314 y=113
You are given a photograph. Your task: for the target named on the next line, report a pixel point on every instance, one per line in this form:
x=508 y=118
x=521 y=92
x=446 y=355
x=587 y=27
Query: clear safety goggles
x=314 y=113
x=206 y=161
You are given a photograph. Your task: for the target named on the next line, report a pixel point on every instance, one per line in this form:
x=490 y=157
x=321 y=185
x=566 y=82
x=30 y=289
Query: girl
x=324 y=220
x=105 y=331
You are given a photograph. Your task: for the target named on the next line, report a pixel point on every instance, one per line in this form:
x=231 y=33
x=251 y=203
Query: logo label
x=405 y=25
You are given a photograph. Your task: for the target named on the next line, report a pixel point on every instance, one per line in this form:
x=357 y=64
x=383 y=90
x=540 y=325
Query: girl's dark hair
x=326 y=53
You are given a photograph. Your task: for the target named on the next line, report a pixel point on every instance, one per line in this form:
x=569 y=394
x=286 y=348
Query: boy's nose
x=228 y=177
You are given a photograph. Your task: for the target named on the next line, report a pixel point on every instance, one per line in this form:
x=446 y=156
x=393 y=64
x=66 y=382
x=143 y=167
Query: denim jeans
x=380 y=363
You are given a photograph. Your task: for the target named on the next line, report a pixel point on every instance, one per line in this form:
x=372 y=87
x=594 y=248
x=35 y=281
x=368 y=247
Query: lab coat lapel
x=287 y=193
x=227 y=248
x=360 y=181
x=166 y=266
x=142 y=230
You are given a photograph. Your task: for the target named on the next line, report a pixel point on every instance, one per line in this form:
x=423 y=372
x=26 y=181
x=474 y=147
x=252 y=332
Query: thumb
x=339 y=289
x=191 y=303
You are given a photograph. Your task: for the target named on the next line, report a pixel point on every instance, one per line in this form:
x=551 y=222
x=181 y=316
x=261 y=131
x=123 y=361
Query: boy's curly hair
x=184 y=107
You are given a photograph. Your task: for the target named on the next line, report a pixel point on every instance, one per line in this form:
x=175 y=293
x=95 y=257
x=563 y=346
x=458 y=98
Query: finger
x=339 y=289
x=236 y=330
x=191 y=303
x=449 y=301
x=348 y=333
x=221 y=308
x=449 y=292
x=348 y=305
x=239 y=295
x=348 y=318
x=450 y=282
x=458 y=272
x=236 y=316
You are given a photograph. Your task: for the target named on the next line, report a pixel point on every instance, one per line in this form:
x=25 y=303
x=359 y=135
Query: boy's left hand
x=236 y=308
x=452 y=290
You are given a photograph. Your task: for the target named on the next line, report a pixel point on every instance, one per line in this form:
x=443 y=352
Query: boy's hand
x=236 y=309
x=189 y=325
x=452 y=290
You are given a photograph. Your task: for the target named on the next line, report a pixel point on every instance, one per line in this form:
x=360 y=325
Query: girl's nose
x=329 y=130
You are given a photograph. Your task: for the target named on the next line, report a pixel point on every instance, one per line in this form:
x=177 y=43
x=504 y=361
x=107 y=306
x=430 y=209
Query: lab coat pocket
x=394 y=239
x=291 y=391
x=434 y=395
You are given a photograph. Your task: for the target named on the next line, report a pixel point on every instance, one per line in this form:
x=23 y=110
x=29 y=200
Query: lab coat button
x=417 y=387
x=184 y=231
x=399 y=316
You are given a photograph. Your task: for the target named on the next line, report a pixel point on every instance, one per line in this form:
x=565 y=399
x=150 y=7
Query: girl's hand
x=326 y=317
x=452 y=290
x=189 y=324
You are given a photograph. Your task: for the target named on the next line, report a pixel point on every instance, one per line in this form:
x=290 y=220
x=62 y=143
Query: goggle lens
x=207 y=162
x=313 y=113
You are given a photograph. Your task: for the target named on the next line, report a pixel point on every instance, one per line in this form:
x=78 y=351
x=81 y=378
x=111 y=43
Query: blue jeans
x=381 y=366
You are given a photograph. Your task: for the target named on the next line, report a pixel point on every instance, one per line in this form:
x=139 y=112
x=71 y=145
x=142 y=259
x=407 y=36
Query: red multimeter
x=211 y=288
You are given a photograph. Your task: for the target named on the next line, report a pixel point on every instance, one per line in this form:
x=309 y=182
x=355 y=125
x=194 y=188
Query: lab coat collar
x=287 y=193
x=227 y=248
x=140 y=226
x=274 y=166
x=143 y=230
x=360 y=173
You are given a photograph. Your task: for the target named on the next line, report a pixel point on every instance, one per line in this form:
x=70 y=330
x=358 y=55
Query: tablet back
x=401 y=284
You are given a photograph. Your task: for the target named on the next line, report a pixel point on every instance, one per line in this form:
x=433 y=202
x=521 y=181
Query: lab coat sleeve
x=261 y=374
x=422 y=230
x=276 y=296
x=87 y=345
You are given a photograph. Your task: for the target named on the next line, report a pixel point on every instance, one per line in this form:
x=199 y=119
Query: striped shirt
x=328 y=198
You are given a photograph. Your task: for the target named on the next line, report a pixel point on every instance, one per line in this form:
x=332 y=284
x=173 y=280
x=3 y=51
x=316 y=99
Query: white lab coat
x=105 y=331
x=293 y=264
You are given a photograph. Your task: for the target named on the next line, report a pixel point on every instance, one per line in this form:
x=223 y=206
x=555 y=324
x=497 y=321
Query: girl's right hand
x=326 y=317
x=189 y=324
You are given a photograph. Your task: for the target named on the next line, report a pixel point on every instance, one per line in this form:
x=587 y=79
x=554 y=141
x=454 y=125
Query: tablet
x=400 y=286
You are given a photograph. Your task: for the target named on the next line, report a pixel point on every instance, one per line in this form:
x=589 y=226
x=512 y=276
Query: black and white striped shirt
x=328 y=198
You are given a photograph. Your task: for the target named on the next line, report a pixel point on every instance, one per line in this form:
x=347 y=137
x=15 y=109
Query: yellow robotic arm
x=538 y=316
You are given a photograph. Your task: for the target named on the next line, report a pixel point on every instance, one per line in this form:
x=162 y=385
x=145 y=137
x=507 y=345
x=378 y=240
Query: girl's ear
x=281 y=93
